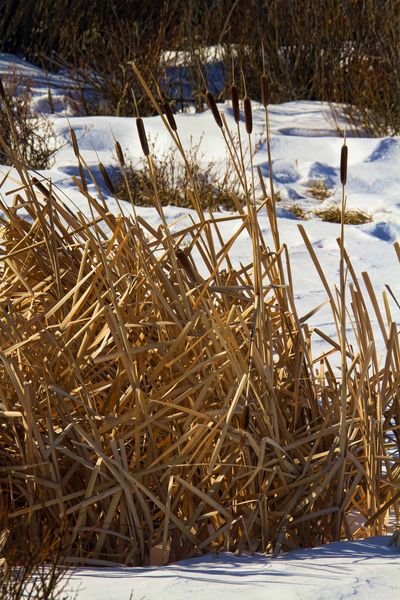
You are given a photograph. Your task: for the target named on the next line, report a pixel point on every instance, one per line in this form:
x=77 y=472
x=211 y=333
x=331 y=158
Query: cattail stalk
x=343 y=364
x=264 y=90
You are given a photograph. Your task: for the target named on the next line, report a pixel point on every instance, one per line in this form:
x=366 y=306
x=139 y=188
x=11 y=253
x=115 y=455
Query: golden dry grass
x=155 y=396
x=123 y=382
x=318 y=189
x=332 y=214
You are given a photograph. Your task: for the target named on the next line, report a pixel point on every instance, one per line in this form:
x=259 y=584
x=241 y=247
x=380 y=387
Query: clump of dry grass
x=154 y=396
x=332 y=214
x=216 y=187
x=318 y=189
x=298 y=211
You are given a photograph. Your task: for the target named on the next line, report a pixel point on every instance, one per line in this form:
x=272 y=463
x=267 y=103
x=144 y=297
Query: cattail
x=264 y=90
x=2 y=90
x=170 y=116
x=50 y=100
x=248 y=117
x=74 y=142
x=245 y=417
x=235 y=103
x=83 y=178
x=107 y=179
x=120 y=154
x=185 y=264
x=343 y=164
x=142 y=136
x=40 y=186
x=214 y=109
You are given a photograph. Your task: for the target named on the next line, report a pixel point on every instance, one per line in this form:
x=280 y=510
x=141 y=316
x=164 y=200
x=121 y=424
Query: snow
x=367 y=569
x=305 y=147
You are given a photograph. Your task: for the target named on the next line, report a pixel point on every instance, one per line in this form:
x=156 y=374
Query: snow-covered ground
x=305 y=148
x=366 y=569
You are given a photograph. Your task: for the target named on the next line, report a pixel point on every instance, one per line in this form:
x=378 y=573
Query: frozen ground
x=368 y=570
x=305 y=149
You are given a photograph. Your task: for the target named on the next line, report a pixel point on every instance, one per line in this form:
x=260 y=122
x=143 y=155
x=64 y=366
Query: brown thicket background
x=347 y=52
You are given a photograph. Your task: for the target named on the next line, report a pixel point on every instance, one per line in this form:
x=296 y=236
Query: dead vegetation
x=332 y=214
x=298 y=211
x=345 y=52
x=318 y=190
x=30 y=137
x=217 y=185
x=30 y=566
x=156 y=395
x=128 y=406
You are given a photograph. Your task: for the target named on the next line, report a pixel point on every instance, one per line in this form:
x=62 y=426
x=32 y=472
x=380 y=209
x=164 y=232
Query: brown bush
x=28 y=135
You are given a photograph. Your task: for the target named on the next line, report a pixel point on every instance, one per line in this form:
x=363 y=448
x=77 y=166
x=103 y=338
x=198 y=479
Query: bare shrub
x=30 y=567
x=29 y=135
x=347 y=52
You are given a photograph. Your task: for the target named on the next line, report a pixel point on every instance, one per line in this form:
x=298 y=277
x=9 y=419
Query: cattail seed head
x=245 y=417
x=120 y=154
x=83 y=178
x=74 y=141
x=235 y=103
x=2 y=90
x=142 y=136
x=264 y=90
x=170 y=116
x=185 y=263
x=214 y=109
x=248 y=116
x=107 y=179
x=343 y=164
x=40 y=186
